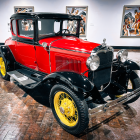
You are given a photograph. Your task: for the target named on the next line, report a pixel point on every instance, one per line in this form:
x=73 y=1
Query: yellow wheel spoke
x=62 y=96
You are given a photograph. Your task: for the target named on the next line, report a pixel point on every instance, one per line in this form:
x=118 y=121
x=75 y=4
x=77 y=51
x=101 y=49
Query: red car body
x=71 y=49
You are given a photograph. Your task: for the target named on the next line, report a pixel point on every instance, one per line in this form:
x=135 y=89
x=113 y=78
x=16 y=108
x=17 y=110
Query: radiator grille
x=103 y=74
x=105 y=58
x=63 y=63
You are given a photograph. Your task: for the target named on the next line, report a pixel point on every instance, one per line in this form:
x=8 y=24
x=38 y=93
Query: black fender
x=132 y=65
x=7 y=54
x=75 y=81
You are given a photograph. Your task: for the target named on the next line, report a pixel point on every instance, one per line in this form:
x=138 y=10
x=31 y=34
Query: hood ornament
x=104 y=44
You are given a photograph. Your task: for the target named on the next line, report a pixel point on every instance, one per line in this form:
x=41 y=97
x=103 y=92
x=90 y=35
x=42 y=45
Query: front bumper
x=110 y=105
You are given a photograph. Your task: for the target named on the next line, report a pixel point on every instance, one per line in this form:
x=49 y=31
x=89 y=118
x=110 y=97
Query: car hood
x=70 y=43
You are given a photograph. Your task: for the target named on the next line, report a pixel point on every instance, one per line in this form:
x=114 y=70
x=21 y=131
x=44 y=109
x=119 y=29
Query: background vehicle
x=84 y=77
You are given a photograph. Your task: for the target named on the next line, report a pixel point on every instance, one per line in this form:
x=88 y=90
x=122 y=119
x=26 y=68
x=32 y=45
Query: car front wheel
x=69 y=109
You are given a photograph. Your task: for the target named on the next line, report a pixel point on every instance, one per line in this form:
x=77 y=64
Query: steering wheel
x=65 y=31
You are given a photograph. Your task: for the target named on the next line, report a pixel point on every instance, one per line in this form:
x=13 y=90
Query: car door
x=25 y=49
x=43 y=54
x=43 y=60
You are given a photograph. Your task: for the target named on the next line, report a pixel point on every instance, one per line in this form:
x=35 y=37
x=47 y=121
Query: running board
x=22 y=79
x=110 y=105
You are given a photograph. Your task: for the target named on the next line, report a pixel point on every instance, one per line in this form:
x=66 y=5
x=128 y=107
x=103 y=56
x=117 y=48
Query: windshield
x=51 y=27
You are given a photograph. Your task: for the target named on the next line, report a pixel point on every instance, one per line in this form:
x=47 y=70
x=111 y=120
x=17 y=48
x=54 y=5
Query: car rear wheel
x=3 y=68
x=133 y=83
x=69 y=109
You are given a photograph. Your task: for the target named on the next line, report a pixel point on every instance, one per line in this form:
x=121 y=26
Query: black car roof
x=41 y=15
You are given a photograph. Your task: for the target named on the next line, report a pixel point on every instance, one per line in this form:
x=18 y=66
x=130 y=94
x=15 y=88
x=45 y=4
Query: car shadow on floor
x=121 y=119
x=98 y=125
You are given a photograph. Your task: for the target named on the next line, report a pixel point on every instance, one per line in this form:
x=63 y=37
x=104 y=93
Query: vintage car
x=84 y=77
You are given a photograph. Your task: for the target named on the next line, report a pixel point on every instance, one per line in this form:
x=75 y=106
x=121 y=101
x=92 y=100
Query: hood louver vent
x=64 y=63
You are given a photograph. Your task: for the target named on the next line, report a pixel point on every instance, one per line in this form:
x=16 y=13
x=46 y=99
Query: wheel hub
x=62 y=110
x=67 y=107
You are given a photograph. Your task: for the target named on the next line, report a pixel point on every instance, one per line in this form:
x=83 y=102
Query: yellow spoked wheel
x=65 y=108
x=2 y=67
x=69 y=109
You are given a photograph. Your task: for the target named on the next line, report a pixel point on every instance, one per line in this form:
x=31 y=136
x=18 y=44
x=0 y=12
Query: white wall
x=104 y=15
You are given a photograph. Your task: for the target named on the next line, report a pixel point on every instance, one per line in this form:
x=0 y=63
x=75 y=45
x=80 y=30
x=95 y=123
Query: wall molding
x=127 y=47
x=117 y=47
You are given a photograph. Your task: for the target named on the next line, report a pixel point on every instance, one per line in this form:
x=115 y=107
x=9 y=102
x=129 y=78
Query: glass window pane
x=26 y=28
x=39 y=25
x=51 y=27
x=69 y=26
x=14 y=26
x=48 y=27
x=56 y=26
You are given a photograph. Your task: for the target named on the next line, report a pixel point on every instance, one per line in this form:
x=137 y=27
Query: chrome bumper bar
x=110 y=105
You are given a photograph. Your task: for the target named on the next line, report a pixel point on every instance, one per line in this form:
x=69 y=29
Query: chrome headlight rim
x=93 y=62
x=88 y=61
x=122 y=55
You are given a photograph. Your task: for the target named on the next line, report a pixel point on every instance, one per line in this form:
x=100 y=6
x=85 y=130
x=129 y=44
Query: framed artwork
x=81 y=11
x=130 y=27
x=23 y=9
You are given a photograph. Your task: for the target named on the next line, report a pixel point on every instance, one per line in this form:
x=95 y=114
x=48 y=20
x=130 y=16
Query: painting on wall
x=23 y=9
x=81 y=11
x=131 y=21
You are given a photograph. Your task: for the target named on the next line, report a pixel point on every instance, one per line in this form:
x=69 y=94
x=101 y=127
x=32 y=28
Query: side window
x=56 y=26
x=13 y=27
x=26 y=28
x=70 y=25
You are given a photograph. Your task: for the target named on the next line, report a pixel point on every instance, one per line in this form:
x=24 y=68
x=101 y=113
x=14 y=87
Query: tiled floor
x=25 y=114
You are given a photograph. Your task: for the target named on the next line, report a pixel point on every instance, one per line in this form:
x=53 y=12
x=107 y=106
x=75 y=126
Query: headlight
x=122 y=55
x=93 y=62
